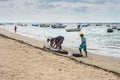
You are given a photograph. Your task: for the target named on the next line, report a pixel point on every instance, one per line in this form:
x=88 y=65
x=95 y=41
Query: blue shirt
x=83 y=40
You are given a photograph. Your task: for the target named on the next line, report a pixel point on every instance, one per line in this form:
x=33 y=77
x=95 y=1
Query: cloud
x=3 y=0
x=96 y=1
x=67 y=6
x=15 y=3
x=114 y=5
x=52 y=8
x=61 y=5
x=77 y=6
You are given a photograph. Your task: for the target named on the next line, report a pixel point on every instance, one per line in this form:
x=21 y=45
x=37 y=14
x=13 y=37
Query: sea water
x=98 y=40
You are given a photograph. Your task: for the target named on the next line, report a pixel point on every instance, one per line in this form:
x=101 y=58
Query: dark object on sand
x=109 y=30
x=62 y=51
x=55 y=50
x=77 y=55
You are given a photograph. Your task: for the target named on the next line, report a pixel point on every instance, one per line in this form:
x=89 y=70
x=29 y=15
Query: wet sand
x=19 y=61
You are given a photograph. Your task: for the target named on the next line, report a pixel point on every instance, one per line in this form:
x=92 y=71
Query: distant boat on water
x=114 y=27
x=58 y=25
x=109 y=30
x=73 y=30
x=98 y=24
x=118 y=29
x=85 y=25
x=35 y=25
x=108 y=25
x=19 y=24
x=44 y=25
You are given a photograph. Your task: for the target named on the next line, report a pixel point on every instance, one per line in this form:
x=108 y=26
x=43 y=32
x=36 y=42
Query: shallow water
x=98 y=40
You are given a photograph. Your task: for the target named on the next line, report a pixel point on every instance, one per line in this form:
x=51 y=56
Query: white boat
x=85 y=25
x=114 y=27
x=20 y=24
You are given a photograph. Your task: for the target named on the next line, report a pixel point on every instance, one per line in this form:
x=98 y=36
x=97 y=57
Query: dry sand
x=106 y=63
x=19 y=61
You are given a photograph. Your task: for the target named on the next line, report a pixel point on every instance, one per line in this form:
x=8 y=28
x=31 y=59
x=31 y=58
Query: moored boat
x=58 y=26
x=85 y=25
x=108 y=25
x=109 y=30
x=118 y=29
x=98 y=24
x=114 y=27
x=73 y=30
x=20 y=24
x=35 y=25
x=44 y=25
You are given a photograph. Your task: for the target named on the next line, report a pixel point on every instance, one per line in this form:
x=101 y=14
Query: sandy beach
x=20 y=61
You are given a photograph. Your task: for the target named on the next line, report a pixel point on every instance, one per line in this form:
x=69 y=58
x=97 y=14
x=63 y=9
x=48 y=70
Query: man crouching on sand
x=83 y=44
x=56 y=42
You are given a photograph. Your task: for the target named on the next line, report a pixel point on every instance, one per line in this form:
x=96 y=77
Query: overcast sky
x=59 y=10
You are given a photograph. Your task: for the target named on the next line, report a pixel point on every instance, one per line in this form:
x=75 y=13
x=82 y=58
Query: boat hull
x=73 y=30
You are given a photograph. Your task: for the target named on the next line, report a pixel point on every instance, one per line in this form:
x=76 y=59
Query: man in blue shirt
x=83 y=44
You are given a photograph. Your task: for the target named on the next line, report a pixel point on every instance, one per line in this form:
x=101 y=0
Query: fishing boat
x=23 y=24
x=1 y=24
x=108 y=25
x=85 y=25
x=98 y=24
x=35 y=25
x=114 y=27
x=109 y=30
x=44 y=25
x=118 y=29
x=20 y=24
x=73 y=30
x=58 y=25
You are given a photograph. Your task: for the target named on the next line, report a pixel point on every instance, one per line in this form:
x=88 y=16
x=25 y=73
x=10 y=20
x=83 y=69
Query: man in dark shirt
x=56 y=42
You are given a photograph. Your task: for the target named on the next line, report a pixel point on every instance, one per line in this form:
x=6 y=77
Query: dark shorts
x=82 y=47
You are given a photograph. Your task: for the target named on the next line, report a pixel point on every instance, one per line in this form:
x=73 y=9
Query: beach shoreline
x=103 y=62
